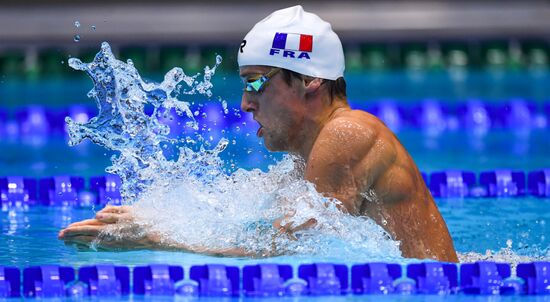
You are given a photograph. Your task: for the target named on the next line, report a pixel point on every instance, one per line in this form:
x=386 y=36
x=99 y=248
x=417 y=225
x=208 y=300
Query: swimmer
x=292 y=66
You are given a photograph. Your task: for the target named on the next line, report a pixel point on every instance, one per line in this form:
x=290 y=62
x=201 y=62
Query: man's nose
x=248 y=104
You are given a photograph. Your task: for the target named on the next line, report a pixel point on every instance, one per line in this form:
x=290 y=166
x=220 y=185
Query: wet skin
x=359 y=161
x=350 y=155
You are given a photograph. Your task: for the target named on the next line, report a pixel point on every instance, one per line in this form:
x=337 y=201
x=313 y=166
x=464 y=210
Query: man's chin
x=270 y=146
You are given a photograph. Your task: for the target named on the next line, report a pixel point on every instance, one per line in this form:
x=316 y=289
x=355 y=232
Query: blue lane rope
x=432 y=115
x=19 y=191
x=277 y=280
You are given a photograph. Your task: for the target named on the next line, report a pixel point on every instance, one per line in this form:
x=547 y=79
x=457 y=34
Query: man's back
x=359 y=161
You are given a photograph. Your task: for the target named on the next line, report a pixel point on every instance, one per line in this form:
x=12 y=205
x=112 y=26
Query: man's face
x=277 y=108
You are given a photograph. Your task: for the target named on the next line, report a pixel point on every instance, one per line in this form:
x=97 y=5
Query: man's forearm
x=169 y=245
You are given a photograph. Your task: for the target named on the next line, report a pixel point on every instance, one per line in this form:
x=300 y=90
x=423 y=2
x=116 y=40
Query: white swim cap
x=293 y=39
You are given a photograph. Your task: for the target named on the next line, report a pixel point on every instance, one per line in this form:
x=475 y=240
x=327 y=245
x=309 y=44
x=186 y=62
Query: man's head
x=296 y=40
x=292 y=63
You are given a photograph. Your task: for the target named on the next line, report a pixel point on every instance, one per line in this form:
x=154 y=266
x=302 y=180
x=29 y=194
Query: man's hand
x=113 y=228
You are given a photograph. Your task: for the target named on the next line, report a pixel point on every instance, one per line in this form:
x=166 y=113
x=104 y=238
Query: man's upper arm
x=345 y=161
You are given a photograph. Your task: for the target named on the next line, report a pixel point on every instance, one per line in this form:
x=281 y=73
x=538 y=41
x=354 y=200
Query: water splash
x=238 y=210
x=123 y=125
x=507 y=255
x=189 y=198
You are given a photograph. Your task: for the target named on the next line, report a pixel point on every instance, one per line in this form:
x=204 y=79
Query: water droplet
x=93 y=27
x=77 y=24
x=76 y=38
x=224 y=105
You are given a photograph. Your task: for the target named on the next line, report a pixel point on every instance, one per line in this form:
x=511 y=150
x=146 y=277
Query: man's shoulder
x=350 y=131
x=355 y=123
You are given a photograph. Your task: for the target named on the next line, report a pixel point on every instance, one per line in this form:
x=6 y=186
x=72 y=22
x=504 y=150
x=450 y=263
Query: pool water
x=476 y=224
x=450 y=150
x=405 y=86
x=511 y=230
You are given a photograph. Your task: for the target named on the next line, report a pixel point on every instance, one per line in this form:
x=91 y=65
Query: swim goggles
x=256 y=85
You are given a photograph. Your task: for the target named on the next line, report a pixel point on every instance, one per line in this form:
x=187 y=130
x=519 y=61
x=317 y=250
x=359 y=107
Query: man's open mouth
x=260 y=131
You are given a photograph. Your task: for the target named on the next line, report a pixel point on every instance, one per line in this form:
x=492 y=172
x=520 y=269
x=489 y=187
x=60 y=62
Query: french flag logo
x=299 y=42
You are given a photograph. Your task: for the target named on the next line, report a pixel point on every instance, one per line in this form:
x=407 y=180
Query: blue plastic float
x=17 y=191
x=272 y=280
x=431 y=115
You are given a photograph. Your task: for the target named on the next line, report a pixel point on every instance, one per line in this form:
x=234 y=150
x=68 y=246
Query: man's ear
x=313 y=85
